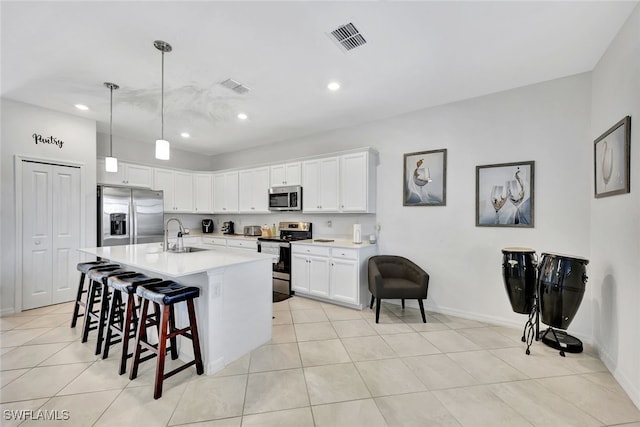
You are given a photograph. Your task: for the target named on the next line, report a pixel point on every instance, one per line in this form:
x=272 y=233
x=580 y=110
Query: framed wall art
x=505 y=195
x=425 y=178
x=611 y=160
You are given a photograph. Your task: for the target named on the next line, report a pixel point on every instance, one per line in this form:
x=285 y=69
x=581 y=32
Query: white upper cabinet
x=128 y=174
x=357 y=182
x=225 y=192
x=203 y=193
x=177 y=187
x=253 y=189
x=320 y=185
x=286 y=174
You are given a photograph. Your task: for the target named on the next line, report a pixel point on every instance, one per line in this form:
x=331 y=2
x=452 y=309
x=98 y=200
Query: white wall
x=615 y=229
x=141 y=152
x=548 y=123
x=19 y=122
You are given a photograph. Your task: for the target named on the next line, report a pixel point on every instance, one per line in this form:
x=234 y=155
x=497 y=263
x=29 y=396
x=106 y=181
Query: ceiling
x=418 y=54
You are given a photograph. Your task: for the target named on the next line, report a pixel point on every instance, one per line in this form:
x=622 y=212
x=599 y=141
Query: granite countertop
x=150 y=257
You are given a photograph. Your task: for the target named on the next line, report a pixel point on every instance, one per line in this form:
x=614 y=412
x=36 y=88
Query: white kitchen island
x=234 y=310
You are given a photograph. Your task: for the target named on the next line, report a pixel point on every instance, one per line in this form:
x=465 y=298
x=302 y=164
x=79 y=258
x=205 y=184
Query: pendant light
x=111 y=163
x=162 y=145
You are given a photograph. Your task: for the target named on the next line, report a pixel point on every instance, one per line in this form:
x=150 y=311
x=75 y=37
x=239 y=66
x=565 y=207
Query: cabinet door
x=344 y=280
x=202 y=193
x=311 y=186
x=292 y=173
x=245 y=192
x=278 y=175
x=163 y=180
x=319 y=275
x=183 y=191
x=218 y=193
x=353 y=182
x=300 y=273
x=231 y=191
x=138 y=176
x=261 y=190
x=110 y=178
x=329 y=184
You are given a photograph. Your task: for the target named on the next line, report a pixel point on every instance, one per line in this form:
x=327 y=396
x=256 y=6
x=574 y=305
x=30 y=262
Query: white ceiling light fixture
x=81 y=107
x=333 y=86
x=185 y=135
x=242 y=116
x=111 y=163
x=162 y=145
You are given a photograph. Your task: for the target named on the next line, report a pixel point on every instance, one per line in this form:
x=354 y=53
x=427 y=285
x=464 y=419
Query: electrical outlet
x=378 y=227
x=329 y=224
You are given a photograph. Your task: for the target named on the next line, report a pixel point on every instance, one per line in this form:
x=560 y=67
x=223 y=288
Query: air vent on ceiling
x=348 y=37
x=235 y=86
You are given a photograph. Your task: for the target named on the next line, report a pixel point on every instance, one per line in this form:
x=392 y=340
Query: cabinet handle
x=37 y=242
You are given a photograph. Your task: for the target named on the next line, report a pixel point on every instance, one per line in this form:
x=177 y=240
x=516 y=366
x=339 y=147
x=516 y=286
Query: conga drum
x=561 y=286
x=519 y=274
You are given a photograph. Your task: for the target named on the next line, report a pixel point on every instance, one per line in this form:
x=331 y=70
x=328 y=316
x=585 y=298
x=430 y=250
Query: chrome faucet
x=166 y=233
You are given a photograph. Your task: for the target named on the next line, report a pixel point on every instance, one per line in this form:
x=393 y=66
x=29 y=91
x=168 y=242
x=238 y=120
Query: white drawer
x=344 y=253
x=217 y=241
x=240 y=243
x=310 y=250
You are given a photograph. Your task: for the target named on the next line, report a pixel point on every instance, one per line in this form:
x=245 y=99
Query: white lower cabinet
x=332 y=274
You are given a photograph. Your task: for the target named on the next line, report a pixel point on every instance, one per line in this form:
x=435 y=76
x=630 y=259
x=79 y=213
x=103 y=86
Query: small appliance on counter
x=227 y=227
x=357 y=233
x=252 y=230
x=207 y=226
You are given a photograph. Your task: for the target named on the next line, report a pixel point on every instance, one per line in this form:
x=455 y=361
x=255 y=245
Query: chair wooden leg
x=86 y=323
x=76 y=307
x=172 y=327
x=142 y=332
x=114 y=306
x=126 y=332
x=195 y=338
x=377 y=309
x=162 y=351
x=424 y=319
x=403 y=303
x=372 y=300
x=102 y=316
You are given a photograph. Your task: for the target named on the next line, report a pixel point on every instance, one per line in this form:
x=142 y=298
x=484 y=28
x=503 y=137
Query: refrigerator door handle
x=133 y=239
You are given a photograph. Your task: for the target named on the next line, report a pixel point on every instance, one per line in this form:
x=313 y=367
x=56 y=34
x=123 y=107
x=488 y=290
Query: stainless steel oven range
x=281 y=246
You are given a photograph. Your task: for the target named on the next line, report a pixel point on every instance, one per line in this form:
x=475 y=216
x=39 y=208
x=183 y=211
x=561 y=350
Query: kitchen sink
x=187 y=249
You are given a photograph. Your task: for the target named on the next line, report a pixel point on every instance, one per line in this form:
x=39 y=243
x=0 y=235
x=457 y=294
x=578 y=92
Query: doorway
x=51 y=232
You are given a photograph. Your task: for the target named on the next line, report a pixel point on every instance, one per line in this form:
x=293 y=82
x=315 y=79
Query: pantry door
x=50 y=233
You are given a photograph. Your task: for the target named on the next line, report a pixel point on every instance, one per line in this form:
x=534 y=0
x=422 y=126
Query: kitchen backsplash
x=324 y=225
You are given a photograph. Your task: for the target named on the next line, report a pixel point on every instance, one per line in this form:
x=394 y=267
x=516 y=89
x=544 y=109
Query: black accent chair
x=395 y=277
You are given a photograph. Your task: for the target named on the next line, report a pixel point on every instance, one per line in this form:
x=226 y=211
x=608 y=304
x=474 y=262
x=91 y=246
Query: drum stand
x=560 y=340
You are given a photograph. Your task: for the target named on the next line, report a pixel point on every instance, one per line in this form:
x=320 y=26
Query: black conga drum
x=561 y=285
x=519 y=274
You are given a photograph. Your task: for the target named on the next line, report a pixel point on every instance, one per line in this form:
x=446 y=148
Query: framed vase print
x=505 y=195
x=425 y=178
x=611 y=160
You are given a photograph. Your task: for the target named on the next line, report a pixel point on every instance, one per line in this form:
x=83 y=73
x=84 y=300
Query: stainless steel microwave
x=286 y=198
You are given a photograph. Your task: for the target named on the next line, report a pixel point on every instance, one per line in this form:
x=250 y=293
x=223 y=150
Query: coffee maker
x=207 y=226
x=227 y=227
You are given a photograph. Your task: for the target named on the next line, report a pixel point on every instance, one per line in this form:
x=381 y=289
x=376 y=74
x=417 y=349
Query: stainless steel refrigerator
x=129 y=216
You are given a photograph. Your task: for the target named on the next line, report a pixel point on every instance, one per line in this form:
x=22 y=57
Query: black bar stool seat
x=165 y=295
x=122 y=320
x=83 y=268
x=98 y=301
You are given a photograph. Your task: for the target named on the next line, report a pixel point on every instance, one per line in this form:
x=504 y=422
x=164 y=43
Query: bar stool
x=122 y=320
x=164 y=295
x=98 y=295
x=83 y=268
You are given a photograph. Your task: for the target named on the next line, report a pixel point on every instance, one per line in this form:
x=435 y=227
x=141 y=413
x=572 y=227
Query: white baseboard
x=632 y=391
x=7 y=311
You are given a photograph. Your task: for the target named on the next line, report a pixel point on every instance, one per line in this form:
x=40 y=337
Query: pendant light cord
x=162 y=100
x=111 y=123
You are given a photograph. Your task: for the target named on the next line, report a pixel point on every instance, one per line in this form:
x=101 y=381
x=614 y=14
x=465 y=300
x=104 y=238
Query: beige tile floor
x=325 y=366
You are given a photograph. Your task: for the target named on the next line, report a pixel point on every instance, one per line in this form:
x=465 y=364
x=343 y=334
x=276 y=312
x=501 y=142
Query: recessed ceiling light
x=81 y=107
x=333 y=86
x=242 y=116
x=185 y=135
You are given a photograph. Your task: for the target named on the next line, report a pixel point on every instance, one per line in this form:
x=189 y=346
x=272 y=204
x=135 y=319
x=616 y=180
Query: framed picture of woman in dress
x=504 y=195
x=425 y=178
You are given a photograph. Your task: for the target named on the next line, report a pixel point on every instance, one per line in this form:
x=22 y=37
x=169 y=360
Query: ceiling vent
x=348 y=37
x=235 y=86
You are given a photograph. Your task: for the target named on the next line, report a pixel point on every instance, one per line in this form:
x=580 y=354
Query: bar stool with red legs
x=164 y=295
x=122 y=320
